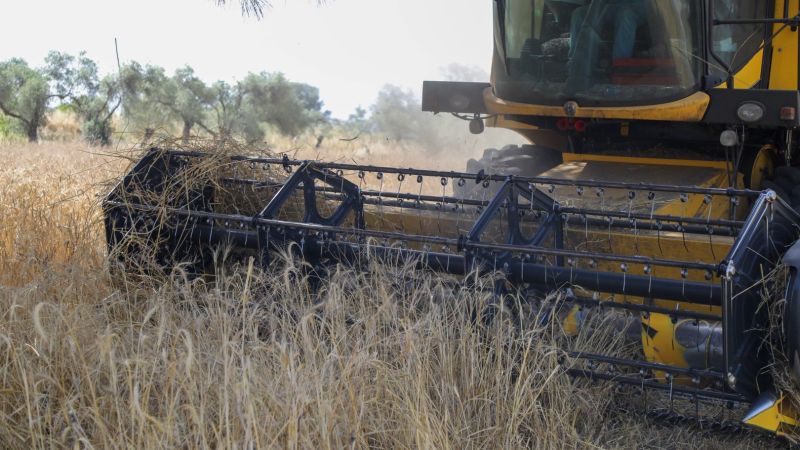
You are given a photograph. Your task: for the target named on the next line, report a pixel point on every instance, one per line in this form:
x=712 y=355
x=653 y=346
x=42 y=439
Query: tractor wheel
x=791 y=315
x=516 y=160
x=786 y=184
x=763 y=170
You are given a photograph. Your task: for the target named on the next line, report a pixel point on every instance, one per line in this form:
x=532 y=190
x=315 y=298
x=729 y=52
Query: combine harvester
x=663 y=181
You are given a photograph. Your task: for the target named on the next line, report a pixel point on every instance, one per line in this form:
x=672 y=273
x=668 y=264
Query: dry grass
x=258 y=360
x=63 y=126
x=376 y=149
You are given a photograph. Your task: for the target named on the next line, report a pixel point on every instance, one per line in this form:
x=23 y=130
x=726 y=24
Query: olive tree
x=189 y=98
x=152 y=99
x=77 y=82
x=143 y=97
x=244 y=108
x=397 y=113
x=24 y=95
x=98 y=110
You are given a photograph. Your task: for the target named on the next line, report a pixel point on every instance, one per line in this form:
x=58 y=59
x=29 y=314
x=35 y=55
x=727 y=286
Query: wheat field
x=257 y=360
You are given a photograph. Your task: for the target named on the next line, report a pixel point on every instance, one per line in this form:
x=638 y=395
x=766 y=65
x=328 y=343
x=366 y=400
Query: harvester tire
x=792 y=174
x=778 y=188
x=786 y=184
x=516 y=160
x=791 y=319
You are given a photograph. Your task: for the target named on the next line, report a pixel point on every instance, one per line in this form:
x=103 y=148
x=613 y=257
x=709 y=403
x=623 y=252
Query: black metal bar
x=793 y=21
x=434 y=240
x=537 y=197
x=730 y=192
x=352 y=201
x=646 y=225
x=687 y=371
x=538 y=274
x=573 y=218
x=531 y=250
x=644 y=221
x=636 y=307
x=489 y=213
x=545 y=230
x=653 y=217
x=285 y=192
x=650 y=384
x=633 y=285
x=751 y=224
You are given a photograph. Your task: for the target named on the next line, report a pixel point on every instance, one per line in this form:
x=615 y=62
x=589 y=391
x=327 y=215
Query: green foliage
x=149 y=99
x=24 y=93
x=259 y=100
x=70 y=76
x=98 y=111
x=356 y=124
x=9 y=128
x=189 y=98
x=152 y=99
x=397 y=114
x=243 y=109
x=77 y=82
x=144 y=96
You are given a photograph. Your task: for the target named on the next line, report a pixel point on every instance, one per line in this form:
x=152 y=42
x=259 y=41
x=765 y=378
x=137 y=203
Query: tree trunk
x=187 y=131
x=33 y=133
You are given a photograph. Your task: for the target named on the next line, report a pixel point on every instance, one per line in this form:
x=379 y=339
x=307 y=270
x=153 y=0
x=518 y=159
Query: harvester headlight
x=729 y=138
x=751 y=112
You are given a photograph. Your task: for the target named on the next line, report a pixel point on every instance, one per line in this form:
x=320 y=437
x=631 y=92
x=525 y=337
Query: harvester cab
x=662 y=181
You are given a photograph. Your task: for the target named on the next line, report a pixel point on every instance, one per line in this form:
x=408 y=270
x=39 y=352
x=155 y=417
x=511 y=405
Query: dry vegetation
x=257 y=360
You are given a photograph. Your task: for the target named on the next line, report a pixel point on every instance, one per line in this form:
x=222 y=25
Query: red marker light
x=788 y=113
x=580 y=126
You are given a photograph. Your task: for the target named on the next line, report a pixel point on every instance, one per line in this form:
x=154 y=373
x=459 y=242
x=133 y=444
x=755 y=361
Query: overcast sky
x=347 y=48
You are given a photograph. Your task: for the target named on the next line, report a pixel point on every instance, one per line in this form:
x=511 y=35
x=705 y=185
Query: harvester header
x=203 y=211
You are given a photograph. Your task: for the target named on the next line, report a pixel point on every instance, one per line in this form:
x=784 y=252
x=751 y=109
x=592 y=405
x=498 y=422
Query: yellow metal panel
x=778 y=418
x=503 y=122
x=783 y=73
x=689 y=109
x=659 y=343
x=574 y=157
x=750 y=74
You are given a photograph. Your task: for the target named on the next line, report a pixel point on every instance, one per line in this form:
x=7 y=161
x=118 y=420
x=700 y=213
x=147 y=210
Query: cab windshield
x=600 y=52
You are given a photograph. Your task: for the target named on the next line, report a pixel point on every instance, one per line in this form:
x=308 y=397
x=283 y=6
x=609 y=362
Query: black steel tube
x=653 y=217
x=633 y=285
x=424 y=239
x=651 y=384
x=739 y=247
x=719 y=227
x=793 y=21
x=646 y=225
x=699 y=373
x=646 y=260
x=637 y=307
x=471 y=176
x=537 y=274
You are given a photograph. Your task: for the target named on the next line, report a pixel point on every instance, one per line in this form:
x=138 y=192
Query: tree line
x=149 y=98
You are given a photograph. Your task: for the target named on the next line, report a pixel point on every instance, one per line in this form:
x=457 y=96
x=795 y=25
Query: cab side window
x=737 y=44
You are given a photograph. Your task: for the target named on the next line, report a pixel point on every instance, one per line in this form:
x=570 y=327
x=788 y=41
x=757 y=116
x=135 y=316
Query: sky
x=347 y=48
